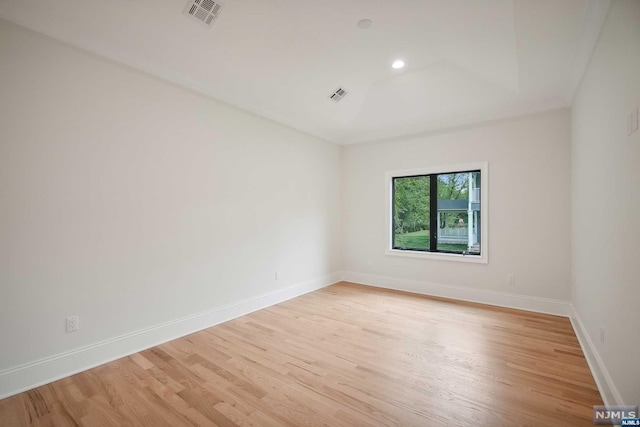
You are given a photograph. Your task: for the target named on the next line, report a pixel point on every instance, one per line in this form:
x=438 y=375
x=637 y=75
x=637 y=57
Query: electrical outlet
x=632 y=121
x=73 y=323
x=276 y=275
x=601 y=334
x=511 y=279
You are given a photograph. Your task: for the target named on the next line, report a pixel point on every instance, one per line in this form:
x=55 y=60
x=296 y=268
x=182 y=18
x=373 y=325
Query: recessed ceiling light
x=398 y=64
x=363 y=24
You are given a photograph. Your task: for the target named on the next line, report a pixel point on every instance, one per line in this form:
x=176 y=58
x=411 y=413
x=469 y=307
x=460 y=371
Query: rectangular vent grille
x=203 y=11
x=338 y=94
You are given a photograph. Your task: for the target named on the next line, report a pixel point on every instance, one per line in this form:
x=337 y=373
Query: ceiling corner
x=595 y=14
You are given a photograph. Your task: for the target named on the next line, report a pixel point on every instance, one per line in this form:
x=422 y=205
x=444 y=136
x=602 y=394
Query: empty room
x=339 y=213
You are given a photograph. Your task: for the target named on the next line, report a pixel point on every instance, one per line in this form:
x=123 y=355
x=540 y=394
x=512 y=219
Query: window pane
x=459 y=212
x=411 y=212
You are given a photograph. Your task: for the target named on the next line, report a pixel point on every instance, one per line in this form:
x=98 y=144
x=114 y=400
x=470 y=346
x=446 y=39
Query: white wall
x=131 y=202
x=529 y=207
x=606 y=201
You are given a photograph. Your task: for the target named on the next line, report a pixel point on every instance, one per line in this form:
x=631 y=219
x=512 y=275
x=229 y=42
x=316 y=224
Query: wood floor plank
x=346 y=355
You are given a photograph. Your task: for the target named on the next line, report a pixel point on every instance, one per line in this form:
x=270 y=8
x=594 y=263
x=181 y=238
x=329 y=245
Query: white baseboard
x=608 y=390
x=44 y=371
x=502 y=299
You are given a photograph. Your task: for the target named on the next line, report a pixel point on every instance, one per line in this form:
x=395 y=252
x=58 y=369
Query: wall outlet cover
x=72 y=323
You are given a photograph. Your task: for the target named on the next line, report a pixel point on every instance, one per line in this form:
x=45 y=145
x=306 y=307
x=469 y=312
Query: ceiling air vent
x=338 y=94
x=204 y=11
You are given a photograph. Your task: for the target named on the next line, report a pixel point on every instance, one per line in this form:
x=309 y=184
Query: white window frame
x=483 y=258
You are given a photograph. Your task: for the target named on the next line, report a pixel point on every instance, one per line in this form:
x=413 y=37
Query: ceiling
x=467 y=61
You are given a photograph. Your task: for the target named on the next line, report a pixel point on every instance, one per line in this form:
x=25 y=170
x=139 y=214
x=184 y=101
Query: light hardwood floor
x=346 y=355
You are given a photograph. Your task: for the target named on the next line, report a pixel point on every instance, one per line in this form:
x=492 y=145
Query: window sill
x=478 y=259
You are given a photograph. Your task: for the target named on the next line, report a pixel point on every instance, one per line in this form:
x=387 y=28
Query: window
x=439 y=213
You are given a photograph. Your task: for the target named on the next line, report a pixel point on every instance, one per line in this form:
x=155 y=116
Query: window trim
x=483 y=258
